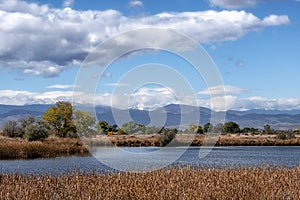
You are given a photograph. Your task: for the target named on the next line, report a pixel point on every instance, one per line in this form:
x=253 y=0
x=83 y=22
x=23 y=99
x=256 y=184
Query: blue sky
x=254 y=44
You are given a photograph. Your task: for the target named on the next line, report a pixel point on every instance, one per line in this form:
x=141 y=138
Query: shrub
x=24 y=122
x=121 y=132
x=207 y=127
x=194 y=128
x=231 y=127
x=283 y=135
x=267 y=129
x=218 y=128
x=104 y=128
x=167 y=135
x=110 y=133
x=152 y=129
x=134 y=128
x=72 y=134
x=11 y=129
x=36 y=131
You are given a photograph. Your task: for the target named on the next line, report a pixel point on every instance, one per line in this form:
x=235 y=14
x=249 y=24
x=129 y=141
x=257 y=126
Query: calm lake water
x=152 y=157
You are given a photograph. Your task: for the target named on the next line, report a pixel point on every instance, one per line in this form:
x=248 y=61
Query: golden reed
x=176 y=183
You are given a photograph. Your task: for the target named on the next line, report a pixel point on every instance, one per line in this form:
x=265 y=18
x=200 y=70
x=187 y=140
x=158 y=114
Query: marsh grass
x=197 y=140
x=21 y=149
x=17 y=148
x=175 y=183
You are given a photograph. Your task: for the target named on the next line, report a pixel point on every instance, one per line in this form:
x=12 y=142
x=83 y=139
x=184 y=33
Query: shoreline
x=17 y=148
x=194 y=140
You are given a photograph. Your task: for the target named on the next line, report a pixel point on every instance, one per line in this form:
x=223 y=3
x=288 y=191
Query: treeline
x=62 y=121
x=59 y=120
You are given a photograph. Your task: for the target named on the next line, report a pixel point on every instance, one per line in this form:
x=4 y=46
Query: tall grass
x=16 y=148
x=21 y=149
x=176 y=183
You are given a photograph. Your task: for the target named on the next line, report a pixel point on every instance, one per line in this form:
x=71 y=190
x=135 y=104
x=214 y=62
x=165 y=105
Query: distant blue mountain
x=173 y=114
x=13 y=112
x=177 y=113
x=34 y=107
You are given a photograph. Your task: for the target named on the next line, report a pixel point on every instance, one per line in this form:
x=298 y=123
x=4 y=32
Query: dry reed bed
x=185 y=183
x=16 y=148
x=194 y=140
x=123 y=140
x=21 y=149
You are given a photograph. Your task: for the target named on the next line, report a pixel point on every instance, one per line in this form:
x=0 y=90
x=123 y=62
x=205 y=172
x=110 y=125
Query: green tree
x=102 y=127
x=207 y=127
x=141 y=128
x=167 y=135
x=195 y=128
x=200 y=130
x=218 y=128
x=60 y=118
x=24 y=122
x=246 y=130
x=231 y=127
x=121 y=132
x=11 y=129
x=267 y=128
x=84 y=123
x=249 y=130
x=113 y=128
x=131 y=127
x=152 y=129
x=36 y=131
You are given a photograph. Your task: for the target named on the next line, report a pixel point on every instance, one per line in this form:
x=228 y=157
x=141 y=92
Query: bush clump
x=36 y=131
x=167 y=135
x=283 y=135
x=11 y=129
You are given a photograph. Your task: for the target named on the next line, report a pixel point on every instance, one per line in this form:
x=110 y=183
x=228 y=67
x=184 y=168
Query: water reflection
x=218 y=157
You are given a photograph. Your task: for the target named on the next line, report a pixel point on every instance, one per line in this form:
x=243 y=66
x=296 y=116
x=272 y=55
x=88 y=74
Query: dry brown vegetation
x=17 y=148
x=124 y=140
x=194 y=140
x=256 y=140
x=185 y=183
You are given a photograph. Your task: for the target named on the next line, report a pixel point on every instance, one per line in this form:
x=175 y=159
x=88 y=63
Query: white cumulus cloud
x=151 y=98
x=44 y=41
x=235 y=103
x=17 y=97
x=148 y=99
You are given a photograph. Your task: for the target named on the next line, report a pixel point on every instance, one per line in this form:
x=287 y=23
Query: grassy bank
x=17 y=148
x=195 y=140
x=11 y=148
x=187 y=183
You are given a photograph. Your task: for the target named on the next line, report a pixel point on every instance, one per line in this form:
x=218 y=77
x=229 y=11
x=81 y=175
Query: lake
x=146 y=158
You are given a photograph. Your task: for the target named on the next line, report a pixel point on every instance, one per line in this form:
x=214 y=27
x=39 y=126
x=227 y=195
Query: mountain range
x=169 y=116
